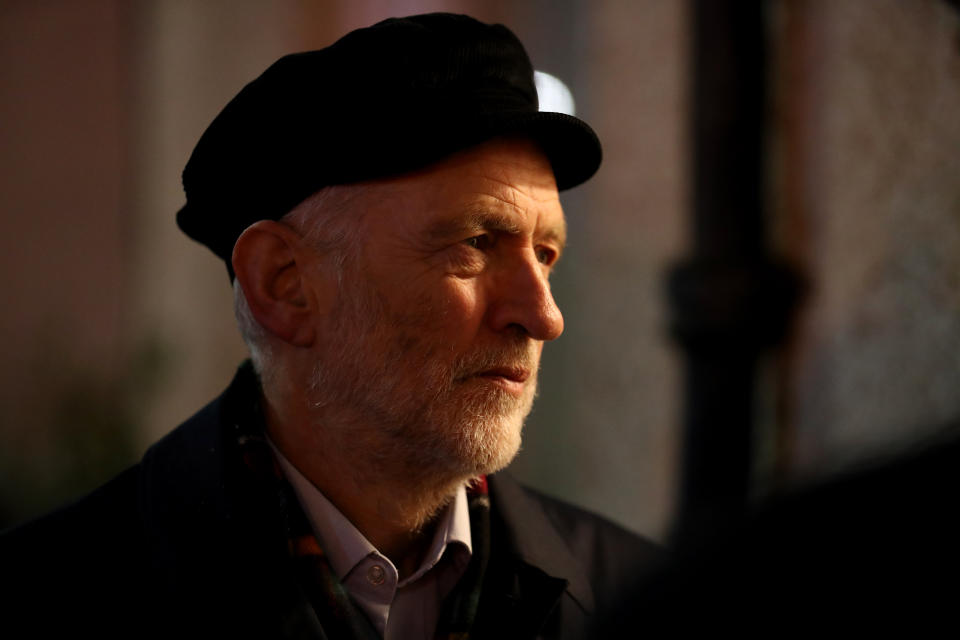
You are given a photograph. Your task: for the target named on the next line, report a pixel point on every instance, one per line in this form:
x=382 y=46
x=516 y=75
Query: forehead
x=507 y=178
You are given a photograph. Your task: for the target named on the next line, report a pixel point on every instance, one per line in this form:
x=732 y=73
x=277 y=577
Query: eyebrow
x=486 y=220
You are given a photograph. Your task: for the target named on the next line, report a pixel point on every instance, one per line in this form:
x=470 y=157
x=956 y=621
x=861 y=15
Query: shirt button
x=376 y=575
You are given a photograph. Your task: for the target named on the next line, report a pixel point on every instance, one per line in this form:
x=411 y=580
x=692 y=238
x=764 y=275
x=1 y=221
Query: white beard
x=402 y=400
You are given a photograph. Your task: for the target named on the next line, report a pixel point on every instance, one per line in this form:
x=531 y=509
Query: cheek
x=462 y=304
x=426 y=324
x=438 y=313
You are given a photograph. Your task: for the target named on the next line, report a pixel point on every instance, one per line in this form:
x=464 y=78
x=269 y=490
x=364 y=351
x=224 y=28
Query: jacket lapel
x=532 y=569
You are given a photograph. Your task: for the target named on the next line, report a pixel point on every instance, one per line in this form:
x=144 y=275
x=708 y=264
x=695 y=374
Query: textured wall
x=869 y=103
x=63 y=285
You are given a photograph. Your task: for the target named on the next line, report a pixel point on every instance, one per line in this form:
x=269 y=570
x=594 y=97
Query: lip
x=512 y=379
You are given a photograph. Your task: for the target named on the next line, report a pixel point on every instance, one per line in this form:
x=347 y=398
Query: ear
x=265 y=261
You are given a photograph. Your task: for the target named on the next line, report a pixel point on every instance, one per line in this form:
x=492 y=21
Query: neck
x=393 y=503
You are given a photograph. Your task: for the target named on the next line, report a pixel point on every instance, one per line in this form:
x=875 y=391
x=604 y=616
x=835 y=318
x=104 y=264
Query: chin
x=488 y=443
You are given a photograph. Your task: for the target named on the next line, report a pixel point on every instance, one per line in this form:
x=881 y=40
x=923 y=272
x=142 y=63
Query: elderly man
x=388 y=211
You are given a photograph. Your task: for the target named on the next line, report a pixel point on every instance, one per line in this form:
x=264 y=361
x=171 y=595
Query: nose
x=523 y=299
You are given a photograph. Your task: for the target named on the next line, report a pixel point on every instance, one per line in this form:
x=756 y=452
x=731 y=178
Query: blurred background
x=116 y=327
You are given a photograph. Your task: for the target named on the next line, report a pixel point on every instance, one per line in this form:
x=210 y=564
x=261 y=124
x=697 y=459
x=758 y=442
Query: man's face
x=430 y=355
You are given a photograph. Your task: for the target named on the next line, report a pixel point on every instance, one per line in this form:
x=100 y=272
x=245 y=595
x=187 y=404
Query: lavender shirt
x=399 y=609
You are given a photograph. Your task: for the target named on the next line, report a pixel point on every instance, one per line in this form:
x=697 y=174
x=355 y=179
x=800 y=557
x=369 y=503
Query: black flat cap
x=381 y=101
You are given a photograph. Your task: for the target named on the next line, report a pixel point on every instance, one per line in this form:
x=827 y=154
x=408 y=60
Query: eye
x=546 y=255
x=482 y=242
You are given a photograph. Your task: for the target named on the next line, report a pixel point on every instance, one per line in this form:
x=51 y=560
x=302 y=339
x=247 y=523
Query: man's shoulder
x=114 y=511
x=123 y=553
x=101 y=519
x=587 y=530
x=544 y=527
x=581 y=528
x=86 y=552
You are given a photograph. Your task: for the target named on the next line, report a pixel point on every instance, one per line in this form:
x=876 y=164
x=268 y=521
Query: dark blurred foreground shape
x=874 y=550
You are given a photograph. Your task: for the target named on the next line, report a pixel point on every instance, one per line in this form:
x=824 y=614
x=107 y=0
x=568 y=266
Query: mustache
x=519 y=355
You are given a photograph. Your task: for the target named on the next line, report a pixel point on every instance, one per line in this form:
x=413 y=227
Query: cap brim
x=571 y=145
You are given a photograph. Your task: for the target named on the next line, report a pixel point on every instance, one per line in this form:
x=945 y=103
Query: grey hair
x=328 y=224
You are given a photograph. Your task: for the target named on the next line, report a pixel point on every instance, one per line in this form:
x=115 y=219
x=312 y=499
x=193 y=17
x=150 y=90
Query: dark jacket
x=181 y=546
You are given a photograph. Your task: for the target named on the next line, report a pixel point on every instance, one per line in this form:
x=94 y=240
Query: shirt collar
x=452 y=529
x=346 y=547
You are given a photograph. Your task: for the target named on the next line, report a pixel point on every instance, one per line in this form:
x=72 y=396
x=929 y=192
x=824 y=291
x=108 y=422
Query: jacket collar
x=220 y=542
x=186 y=475
x=535 y=540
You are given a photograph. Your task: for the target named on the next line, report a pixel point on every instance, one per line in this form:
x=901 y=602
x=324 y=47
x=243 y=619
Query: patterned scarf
x=338 y=615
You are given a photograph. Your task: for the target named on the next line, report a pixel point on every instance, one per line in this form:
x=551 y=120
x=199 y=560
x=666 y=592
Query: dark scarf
x=338 y=615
